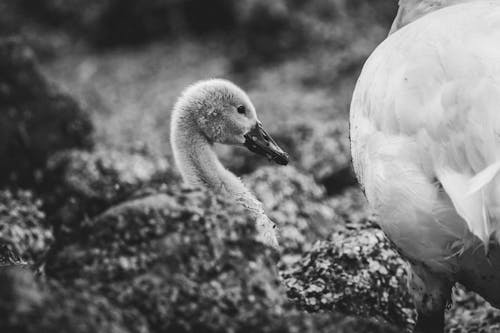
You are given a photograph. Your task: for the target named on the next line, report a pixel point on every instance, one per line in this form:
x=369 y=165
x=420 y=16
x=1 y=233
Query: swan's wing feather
x=461 y=136
x=436 y=82
x=470 y=207
x=483 y=178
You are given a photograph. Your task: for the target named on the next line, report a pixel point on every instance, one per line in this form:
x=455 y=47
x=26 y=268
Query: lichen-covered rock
x=36 y=305
x=471 y=313
x=321 y=148
x=358 y=273
x=36 y=120
x=105 y=174
x=84 y=184
x=29 y=305
x=352 y=208
x=19 y=295
x=296 y=203
x=187 y=261
x=302 y=210
x=24 y=235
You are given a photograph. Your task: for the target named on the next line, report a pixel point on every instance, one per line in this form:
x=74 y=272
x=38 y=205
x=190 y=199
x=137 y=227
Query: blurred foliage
x=271 y=30
x=258 y=28
x=112 y=22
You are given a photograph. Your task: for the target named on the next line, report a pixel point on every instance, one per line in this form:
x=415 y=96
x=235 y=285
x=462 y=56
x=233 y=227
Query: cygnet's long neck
x=199 y=165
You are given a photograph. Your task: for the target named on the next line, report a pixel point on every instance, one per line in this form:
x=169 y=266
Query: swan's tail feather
x=483 y=178
x=470 y=200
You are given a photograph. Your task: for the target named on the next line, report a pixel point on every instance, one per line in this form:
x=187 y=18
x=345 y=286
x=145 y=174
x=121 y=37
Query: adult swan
x=425 y=131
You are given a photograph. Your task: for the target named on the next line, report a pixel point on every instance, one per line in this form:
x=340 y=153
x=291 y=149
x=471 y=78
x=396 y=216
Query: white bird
x=217 y=111
x=425 y=140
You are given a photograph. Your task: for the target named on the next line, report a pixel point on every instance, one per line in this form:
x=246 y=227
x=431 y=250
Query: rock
x=302 y=210
x=24 y=235
x=357 y=273
x=19 y=295
x=471 y=313
x=36 y=120
x=184 y=260
x=84 y=184
x=320 y=148
x=296 y=203
x=29 y=305
x=352 y=208
x=187 y=261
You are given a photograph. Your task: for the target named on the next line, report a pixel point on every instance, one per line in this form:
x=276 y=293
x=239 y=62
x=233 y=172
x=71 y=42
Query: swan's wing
x=437 y=82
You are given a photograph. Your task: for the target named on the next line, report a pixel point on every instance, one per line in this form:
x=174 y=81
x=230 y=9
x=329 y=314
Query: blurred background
x=126 y=61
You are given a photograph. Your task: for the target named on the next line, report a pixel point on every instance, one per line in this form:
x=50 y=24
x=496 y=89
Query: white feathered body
x=425 y=132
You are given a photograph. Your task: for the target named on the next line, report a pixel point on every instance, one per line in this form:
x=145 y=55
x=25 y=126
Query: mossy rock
x=358 y=273
x=351 y=206
x=31 y=304
x=24 y=233
x=469 y=312
x=296 y=203
x=86 y=183
x=187 y=261
x=36 y=119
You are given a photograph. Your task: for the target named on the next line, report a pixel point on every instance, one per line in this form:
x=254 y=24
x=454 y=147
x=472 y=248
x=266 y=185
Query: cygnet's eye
x=241 y=109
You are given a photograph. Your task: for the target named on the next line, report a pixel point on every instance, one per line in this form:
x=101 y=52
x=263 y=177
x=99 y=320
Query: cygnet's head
x=224 y=114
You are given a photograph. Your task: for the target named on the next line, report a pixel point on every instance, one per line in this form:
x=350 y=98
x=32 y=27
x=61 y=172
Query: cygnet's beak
x=258 y=141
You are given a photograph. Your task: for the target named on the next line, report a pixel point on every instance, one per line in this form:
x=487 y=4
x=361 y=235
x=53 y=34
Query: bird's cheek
x=236 y=133
x=239 y=139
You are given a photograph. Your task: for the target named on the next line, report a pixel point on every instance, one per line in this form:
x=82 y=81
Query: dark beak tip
x=283 y=160
x=259 y=142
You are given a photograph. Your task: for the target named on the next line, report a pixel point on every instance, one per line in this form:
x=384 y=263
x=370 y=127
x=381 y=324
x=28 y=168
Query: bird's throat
x=200 y=166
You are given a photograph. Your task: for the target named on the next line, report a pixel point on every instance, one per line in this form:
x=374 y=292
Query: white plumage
x=425 y=131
